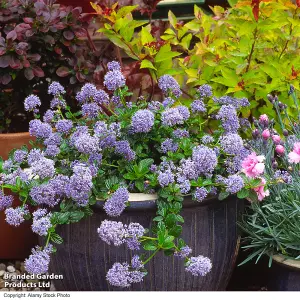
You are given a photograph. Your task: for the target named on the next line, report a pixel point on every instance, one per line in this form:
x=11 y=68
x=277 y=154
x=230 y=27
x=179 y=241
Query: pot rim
x=7 y=136
x=148 y=202
x=287 y=262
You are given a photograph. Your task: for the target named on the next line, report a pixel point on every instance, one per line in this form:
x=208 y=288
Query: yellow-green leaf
x=165 y=53
x=172 y=19
x=123 y=11
x=197 y=11
x=147 y=64
x=146 y=36
x=185 y=42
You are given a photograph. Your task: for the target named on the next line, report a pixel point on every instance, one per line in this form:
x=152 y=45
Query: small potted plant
x=38 y=40
x=272 y=226
x=125 y=176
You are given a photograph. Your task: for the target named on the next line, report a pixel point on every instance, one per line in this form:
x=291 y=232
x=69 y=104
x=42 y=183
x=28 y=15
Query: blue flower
x=169 y=85
x=142 y=121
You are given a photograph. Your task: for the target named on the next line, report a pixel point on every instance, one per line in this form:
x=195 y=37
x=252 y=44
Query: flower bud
x=281 y=105
x=255 y=133
x=292 y=89
x=276 y=139
x=279 y=149
x=270 y=98
x=275 y=165
x=290 y=168
x=285 y=132
x=266 y=134
x=264 y=120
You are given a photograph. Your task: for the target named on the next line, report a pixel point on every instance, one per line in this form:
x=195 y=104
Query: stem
x=296 y=103
x=90 y=41
x=108 y=165
x=152 y=88
x=279 y=115
x=252 y=49
x=149 y=238
x=150 y=257
x=119 y=56
x=187 y=94
x=291 y=30
x=48 y=240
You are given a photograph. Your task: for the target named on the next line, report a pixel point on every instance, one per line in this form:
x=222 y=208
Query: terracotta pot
x=16 y=242
x=10 y=141
x=284 y=274
x=210 y=229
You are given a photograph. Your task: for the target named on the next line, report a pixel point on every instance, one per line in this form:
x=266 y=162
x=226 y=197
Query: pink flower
x=260 y=190
x=279 y=149
x=263 y=119
x=253 y=165
x=294 y=156
x=276 y=139
x=266 y=134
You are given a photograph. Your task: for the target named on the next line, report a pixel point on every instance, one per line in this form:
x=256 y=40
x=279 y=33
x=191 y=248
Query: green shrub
x=250 y=50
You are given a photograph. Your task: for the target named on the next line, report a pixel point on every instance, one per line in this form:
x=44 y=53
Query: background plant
x=40 y=40
x=250 y=50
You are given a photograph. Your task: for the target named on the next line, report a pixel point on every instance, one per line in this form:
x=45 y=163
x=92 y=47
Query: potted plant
x=115 y=168
x=38 y=40
x=272 y=226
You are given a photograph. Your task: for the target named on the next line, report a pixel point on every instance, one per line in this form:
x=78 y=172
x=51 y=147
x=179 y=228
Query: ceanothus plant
x=112 y=148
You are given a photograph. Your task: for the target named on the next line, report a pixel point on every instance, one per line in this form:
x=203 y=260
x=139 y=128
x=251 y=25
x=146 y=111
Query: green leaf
x=145 y=164
x=168 y=243
x=76 y=216
x=55 y=238
x=223 y=195
x=158 y=219
x=140 y=185
x=232 y=2
x=165 y=53
x=127 y=33
x=179 y=218
x=146 y=36
x=197 y=12
x=176 y=231
x=172 y=19
x=147 y=64
x=129 y=176
x=150 y=245
x=125 y=10
x=244 y=193
x=62 y=218
x=186 y=40
x=111 y=182
x=92 y=200
x=170 y=220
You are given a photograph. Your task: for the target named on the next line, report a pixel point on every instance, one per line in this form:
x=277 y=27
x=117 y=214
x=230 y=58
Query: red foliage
x=255 y=9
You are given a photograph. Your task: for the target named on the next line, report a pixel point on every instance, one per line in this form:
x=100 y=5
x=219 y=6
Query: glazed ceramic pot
x=210 y=229
x=16 y=242
x=284 y=274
